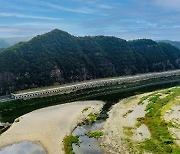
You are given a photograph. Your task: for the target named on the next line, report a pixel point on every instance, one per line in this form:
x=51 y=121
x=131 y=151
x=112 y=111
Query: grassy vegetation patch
x=141 y=102
x=153 y=99
x=95 y=134
x=92 y=117
x=161 y=140
x=143 y=99
x=67 y=143
x=132 y=146
x=140 y=121
x=128 y=131
x=129 y=111
x=167 y=92
x=85 y=109
x=173 y=124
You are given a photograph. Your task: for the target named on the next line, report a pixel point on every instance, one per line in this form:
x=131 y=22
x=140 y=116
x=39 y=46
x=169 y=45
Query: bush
x=92 y=117
x=68 y=141
x=95 y=134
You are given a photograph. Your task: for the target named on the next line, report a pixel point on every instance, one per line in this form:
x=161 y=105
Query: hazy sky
x=128 y=19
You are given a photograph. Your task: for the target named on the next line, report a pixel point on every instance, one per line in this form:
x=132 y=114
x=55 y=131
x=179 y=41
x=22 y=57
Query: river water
x=87 y=145
x=23 y=148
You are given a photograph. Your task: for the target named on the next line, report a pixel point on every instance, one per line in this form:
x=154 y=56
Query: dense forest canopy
x=58 y=57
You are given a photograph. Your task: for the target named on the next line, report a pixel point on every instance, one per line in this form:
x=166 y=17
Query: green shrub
x=92 y=117
x=143 y=99
x=67 y=143
x=85 y=109
x=94 y=134
x=129 y=111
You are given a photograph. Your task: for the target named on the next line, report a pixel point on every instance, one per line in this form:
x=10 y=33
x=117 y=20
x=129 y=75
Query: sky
x=127 y=19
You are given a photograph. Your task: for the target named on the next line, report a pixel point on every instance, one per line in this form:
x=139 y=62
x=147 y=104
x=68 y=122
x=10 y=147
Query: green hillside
x=58 y=57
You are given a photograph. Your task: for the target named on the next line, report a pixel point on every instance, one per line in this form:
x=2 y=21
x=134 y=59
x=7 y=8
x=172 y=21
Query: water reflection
x=87 y=145
x=23 y=148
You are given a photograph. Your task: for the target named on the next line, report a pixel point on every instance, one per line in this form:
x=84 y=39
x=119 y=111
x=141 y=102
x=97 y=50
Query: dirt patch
x=141 y=133
x=173 y=117
x=122 y=124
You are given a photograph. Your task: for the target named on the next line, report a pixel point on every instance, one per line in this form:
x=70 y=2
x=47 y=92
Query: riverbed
x=110 y=98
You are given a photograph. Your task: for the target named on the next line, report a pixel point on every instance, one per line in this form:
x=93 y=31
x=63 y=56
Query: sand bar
x=49 y=125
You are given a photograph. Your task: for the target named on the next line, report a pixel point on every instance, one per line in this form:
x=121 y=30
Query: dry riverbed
x=49 y=126
x=146 y=123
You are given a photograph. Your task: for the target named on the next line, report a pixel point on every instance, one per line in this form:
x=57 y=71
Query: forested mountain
x=58 y=57
x=174 y=43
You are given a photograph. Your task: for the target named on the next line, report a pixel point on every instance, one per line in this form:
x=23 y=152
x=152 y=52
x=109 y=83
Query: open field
x=146 y=123
x=49 y=125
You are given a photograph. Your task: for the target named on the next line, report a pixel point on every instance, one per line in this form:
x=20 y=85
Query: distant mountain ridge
x=3 y=44
x=174 y=43
x=7 y=42
x=58 y=57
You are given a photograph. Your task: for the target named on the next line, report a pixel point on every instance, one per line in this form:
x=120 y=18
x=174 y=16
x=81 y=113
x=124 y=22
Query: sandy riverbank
x=173 y=115
x=122 y=115
x=127 y=128
x=49 y=125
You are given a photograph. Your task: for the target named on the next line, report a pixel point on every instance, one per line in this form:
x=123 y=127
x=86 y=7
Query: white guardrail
x=93 y=84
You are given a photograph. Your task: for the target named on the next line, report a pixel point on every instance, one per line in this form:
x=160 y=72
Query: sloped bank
x=137 y=124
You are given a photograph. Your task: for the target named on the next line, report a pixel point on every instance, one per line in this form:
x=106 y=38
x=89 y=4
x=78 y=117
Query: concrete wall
x=91 y=84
